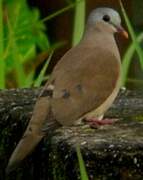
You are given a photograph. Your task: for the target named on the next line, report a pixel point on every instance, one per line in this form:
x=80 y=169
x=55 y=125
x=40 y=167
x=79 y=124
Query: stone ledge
x=110 y=152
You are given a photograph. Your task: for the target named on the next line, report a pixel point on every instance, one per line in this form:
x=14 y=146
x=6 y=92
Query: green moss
x=138 y=118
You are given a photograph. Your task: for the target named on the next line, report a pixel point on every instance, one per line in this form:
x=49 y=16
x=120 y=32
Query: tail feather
x=33 y=133
x=24 y=147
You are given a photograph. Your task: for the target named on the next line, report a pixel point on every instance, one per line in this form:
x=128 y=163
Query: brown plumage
x=83 y=84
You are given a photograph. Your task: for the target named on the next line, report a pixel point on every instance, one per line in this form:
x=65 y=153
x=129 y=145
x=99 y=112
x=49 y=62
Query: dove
x=83 y=84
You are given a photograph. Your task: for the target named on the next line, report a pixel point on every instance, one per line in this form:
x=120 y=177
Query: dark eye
x=106 y=18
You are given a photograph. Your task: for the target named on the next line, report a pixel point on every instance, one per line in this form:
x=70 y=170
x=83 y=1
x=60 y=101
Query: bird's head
x=108 y=18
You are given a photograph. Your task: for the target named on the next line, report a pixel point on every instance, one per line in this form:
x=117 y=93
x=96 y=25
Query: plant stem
x=2 y=63
x=58 y=12
x=82 y=167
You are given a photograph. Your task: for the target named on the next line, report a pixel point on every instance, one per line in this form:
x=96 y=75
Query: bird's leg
x=96 y=122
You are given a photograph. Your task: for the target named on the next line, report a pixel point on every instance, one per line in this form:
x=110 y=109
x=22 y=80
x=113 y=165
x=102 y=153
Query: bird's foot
x=95 y=123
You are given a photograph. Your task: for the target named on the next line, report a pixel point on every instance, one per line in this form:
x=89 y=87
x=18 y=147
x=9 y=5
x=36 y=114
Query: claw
x=95 y=123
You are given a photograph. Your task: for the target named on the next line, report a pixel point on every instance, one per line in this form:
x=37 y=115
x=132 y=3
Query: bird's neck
x=95 y=37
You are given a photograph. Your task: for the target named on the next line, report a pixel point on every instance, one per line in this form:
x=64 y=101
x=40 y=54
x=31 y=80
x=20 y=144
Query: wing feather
x=83 y=82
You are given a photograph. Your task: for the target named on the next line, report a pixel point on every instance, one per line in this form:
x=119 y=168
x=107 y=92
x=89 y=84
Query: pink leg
x=95 y=123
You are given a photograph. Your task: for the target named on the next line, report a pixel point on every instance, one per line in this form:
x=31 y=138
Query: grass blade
x=40 y=78
x=127 y=59
x=79 y=21
x=83 y=172
x=133 y=35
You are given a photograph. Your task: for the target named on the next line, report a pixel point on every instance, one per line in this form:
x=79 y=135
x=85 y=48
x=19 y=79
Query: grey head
x=106 y=16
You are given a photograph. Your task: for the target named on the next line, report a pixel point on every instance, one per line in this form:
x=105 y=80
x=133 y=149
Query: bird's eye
x=106 y=18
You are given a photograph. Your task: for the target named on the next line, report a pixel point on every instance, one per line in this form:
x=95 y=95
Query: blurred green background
x=35 y=34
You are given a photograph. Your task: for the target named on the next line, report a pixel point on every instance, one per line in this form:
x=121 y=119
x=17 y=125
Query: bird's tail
x=33 y=133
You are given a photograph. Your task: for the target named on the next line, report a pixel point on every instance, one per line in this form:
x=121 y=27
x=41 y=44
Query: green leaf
x=23 y=33
x=16 y=58
x=28 y=29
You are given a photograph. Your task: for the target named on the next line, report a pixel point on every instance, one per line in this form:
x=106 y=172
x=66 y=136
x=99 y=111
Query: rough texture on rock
x=110 y=152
